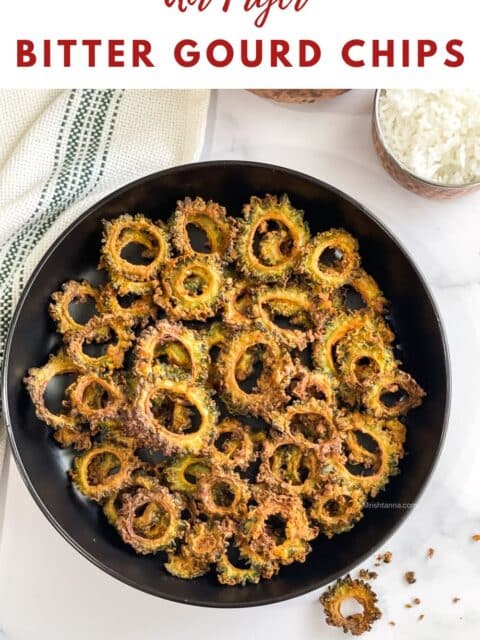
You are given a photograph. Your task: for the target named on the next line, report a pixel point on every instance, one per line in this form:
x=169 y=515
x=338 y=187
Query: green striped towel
x=61 y=151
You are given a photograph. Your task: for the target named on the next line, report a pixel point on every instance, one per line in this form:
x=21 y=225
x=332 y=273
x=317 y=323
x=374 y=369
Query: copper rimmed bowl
x=406 y=178
x=298 y=96
x=74 y=255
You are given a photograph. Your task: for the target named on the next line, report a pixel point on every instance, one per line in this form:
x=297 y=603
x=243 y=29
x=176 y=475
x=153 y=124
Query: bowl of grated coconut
x=429 y=140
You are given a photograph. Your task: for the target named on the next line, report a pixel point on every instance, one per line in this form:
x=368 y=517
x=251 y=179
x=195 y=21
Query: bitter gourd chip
x=338 y=506
x=72 y=293
x=393 y=395
x=222 y=494
x=278 y=527
x=164 y=526
x=291 y=313
x=233 y=446
x=290 y=466
x=95 y=399
x=345 y=589
x=191 y=288
x=269 y=390
x=210 y=218
x=135 y=308
x=238 y=302
x=103 y=470
x=183 y=472
x=37 y=381
x=330 y=258
x=129 y=230
x=95 y=331
x=152 y=411
x=171 y=350
x=279 y=229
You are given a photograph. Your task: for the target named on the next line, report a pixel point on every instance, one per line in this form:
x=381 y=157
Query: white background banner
x=239 y=43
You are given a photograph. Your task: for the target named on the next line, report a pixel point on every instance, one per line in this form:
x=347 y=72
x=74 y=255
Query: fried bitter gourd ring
x=127 y=230
x=290 y=466
x=207 y=541
x=372 y=447
x=368 y=289
x=363 y=359
x=72 y=292
x=37 y=382
x=183 y=473
x=337 y=327
x=216 y=337
x=282 y=245
x=164 y=527
x=342 y=590
x=310 y=422
x=191 y=287
x=113 y=356
x=232 y=575
x=233 y=446
x=156 y=432
x=308 y=384
x=103 y=470
x=365 y=288
x=222 y=493
x=292 y=303
x=140 y=309
x=271 y=246
x=252 y=566
x=95 y=399
x=337 y=507
x=77 y=438
x=393 y=395
x=131 y=236
x=269 y=390
x=278 y=528
x=330 y=258
x=238 y=303
x=139 y=478
x=356 y=433
x=127 y=287
x=210 y=218
x=184 y=566
x=171 y=350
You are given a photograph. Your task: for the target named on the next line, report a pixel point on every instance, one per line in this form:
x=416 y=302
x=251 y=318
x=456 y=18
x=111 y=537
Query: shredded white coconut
x=434 y=134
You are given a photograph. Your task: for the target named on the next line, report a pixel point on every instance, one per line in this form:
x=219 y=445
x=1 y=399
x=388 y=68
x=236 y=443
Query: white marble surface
x=49 y=592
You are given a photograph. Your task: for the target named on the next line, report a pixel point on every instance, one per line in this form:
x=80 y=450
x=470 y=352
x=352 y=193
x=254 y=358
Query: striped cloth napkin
x=61 y=151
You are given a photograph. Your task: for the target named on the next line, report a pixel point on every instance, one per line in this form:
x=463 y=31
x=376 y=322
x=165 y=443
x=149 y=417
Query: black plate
x=75 y=255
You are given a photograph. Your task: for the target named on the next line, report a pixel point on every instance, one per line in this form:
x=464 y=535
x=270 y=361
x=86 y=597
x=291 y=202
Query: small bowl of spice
x=429 y=140
x=298 y=96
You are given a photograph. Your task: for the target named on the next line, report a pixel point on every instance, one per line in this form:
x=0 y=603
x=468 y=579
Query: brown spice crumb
x=430 y=553
x=366 y=574
x=384 y=558
x=408 y=606
x=392 y=623
x=476 y=537
x=417 y=601
x=410 y=577
x=421 y=617
x=455 y=600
